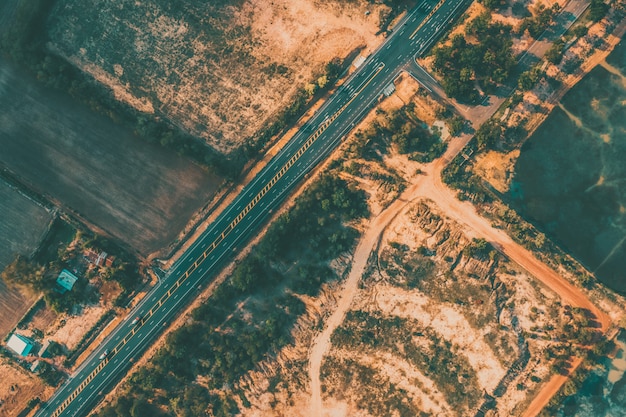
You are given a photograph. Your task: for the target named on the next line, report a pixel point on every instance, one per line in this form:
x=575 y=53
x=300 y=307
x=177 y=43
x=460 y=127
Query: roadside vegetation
x=400 y=131
x=250 y=316
x=481 y=56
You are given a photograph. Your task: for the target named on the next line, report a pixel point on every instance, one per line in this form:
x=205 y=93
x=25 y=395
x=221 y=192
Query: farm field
x=22 y=226
x=139 y=193
x=570 y=177
x=220 y=69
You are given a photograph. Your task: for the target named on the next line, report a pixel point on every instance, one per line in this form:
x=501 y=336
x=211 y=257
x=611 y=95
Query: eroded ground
x=427 y=320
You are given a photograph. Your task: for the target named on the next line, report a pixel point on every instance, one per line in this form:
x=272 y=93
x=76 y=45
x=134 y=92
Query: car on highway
x=104 y=354
x=136 y=320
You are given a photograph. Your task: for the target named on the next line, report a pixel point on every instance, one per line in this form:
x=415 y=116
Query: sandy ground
x=430 y=186
x=463 y=213
x=497 y=168
x=345 y=297
x=69 y=329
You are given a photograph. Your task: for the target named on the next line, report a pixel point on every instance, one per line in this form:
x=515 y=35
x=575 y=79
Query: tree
x=322 y=81
x=492 y=4
x=597 y=10
x=488 y=134
x=528 y=79
x=248 y=274
x=310 y=88
x=141 y=408
x=580 y=30
x=23 y=272
x=555 y=53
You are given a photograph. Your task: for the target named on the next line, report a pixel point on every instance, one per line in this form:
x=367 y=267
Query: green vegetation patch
x=483 y=54
x=250 y=316
x=401 y=130
x=371 y=390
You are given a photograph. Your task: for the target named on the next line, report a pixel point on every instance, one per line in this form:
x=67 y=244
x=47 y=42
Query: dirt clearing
x=138 y=192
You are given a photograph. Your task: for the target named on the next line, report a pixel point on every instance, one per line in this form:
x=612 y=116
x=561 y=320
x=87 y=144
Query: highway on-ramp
x=318 y=137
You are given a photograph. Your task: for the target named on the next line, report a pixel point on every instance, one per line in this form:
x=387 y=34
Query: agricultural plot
x=22 y=226
x=220 y=69
x=139 y=193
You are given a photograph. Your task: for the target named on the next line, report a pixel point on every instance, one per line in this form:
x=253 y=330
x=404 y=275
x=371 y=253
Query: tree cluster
x=597 y=10
x=492 y=4
x=403 y=131
x=487 y=60
x=542 y=17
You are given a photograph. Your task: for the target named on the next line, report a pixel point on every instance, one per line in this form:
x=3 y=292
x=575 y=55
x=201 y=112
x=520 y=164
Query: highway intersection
x=314 y=142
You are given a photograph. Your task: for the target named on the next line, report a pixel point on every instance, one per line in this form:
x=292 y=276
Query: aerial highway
x=317 y=138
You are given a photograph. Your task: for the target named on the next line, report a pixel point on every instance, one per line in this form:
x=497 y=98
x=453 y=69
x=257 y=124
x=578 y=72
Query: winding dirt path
x=368 y=242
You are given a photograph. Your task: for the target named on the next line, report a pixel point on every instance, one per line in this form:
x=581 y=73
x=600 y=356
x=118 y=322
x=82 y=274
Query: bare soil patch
x=139 y=193
x=17 y=387
x=221 y=70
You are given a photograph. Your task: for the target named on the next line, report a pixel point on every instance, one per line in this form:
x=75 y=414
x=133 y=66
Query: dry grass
x=219 y=69
x=17 y=387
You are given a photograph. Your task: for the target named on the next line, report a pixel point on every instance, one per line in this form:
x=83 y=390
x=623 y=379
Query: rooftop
x=66 y=280
x=20 y=344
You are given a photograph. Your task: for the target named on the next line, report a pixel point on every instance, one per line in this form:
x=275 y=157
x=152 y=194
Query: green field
x=571 y=177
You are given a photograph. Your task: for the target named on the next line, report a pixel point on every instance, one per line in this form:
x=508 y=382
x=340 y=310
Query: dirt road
x=367 y=243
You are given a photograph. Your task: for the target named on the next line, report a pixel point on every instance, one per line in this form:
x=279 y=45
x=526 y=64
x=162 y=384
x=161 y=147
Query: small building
x=66 y=281
x=19 y=344
x=98 y=258
x=44 y=349
x=34 y=367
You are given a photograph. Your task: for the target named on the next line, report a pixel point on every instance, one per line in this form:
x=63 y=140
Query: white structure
x=20 y=344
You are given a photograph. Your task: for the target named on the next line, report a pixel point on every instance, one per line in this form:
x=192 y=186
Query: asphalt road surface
x=312 y=144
